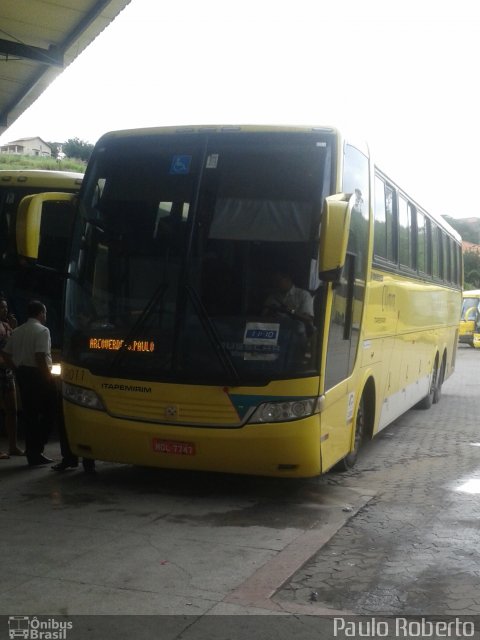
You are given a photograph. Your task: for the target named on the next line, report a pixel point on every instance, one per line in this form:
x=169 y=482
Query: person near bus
x=8 y=394
x=69 y=459
x=28 y=352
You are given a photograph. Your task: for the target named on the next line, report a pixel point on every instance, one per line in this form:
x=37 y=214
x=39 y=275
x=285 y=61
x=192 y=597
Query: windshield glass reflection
x=177 y=249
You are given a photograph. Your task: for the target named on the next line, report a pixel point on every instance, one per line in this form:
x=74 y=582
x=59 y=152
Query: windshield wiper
x=212 y=333
x=157 y=295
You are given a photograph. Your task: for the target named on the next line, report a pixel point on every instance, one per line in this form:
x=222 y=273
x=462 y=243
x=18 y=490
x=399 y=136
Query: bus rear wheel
x=438 y=387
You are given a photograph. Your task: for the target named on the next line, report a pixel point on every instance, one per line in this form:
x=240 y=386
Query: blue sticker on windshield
x=180 y=165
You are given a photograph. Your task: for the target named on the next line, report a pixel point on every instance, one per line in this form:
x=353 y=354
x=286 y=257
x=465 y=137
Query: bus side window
x=385 y=243
x=421 y=243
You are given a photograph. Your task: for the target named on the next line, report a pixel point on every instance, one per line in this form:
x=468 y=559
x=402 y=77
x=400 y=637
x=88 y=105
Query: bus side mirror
x=334 y=231
x=27 y=230
x=43 y=228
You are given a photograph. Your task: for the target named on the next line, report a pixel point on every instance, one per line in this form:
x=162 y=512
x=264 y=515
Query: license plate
x=173 y=447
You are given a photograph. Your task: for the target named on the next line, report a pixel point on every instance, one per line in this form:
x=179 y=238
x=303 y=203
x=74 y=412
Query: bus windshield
x=175 y=251
x=469 y=307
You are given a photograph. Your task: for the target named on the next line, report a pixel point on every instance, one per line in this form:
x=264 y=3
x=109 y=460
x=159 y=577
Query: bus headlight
x=285 y=411
x=83 y=397
x=56 y=369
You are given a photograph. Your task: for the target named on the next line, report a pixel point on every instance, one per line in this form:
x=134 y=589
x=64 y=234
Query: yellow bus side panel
x=408 y=325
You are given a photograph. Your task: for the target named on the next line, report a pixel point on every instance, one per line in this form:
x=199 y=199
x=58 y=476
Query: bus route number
x=73 y=375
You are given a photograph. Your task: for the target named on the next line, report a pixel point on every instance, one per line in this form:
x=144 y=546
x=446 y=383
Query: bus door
x=344 y=310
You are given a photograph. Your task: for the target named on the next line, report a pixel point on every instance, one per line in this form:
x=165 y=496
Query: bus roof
x=340 y=134
x=473 y=293
x=219 y=128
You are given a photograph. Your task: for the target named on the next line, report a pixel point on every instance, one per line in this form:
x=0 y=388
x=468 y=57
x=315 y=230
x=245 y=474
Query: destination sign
x=115 y=344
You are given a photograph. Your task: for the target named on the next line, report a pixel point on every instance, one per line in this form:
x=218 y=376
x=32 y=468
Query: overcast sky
x=403 y=74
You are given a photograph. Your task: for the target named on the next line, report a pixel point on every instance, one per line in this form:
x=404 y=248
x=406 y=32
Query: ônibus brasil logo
x=31 y=628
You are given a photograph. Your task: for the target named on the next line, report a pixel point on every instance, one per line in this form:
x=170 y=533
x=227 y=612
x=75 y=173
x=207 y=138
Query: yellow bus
x=469 y=318
x=20 y=279
x=172 y=358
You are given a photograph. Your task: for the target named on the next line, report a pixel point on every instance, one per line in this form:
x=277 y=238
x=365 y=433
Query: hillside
x=468 y=228
x=10 y=162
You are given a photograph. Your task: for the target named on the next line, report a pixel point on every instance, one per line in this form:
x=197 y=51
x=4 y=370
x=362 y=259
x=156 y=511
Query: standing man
x=28 y=351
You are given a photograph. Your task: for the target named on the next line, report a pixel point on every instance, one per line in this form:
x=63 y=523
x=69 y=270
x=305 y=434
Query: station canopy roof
x=40 y=38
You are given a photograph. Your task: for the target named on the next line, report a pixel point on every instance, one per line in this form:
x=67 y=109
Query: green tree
x=472 y=279
x=471 y=270
x=468 y=228
x=76 y=148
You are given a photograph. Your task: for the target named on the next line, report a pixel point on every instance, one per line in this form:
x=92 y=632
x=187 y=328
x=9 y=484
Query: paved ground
x=396 y=536
x=413 y=549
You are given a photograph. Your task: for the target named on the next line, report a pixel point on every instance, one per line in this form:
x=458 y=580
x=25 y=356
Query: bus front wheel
x=428 y=400
x=360 y=428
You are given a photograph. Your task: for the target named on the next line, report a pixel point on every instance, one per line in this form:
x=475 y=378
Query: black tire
x=428 y=400
x=351 y=458
x=438 y=387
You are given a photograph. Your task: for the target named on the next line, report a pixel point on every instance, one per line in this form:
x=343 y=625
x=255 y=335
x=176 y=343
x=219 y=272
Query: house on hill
x=28 y=147
x=470 y=247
